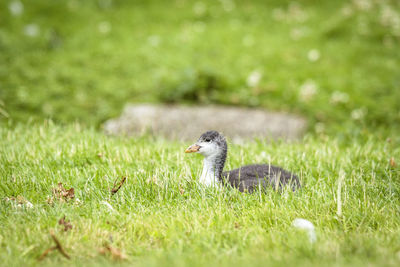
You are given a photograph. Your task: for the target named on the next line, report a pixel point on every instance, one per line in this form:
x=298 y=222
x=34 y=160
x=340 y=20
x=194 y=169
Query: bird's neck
x=212 y=170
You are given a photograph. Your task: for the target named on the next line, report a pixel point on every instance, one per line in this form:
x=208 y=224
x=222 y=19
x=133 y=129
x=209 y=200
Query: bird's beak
x=192 y=148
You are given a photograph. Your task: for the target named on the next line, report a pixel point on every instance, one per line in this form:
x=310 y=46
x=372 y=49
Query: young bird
x=212 y=145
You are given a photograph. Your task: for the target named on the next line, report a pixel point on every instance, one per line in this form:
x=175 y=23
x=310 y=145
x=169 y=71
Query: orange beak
x=192 y=148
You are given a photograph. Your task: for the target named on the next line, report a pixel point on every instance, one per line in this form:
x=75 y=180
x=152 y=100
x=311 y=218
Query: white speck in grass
x=347 y=11
x=313 y=55
x=307 y=90
x=254 y=78
x=28 y=204
x=390 y=19
x=107 y=205
x=248 y=40
x=338 y=97
x=104 y=27
x=358 y=114
x=307 y=226
x=154 y=40
x=228 y=5
x=16 y=8
x=362 y=4
x=31 y=30
x=199 y=8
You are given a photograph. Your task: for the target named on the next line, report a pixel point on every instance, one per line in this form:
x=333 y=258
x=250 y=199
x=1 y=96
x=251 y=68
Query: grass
x=89 y=58
x=161 y=216
x=79 y=62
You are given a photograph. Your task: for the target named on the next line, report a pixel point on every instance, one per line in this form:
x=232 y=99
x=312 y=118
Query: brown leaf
x=117 y=186
x=181 y=190
x=237 y=225
x=392 y=162
x=115 y=253
x=67 y=224
x=62 y=194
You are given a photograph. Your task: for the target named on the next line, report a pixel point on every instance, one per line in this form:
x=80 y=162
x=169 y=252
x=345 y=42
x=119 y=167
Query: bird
x=213 y=146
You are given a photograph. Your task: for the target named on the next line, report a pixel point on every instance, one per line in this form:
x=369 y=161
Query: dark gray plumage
x=247 y=178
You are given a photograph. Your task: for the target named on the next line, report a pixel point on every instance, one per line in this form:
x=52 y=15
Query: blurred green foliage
x=335 y=62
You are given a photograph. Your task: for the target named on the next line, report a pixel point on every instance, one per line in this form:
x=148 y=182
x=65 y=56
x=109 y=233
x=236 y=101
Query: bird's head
x=210 y=144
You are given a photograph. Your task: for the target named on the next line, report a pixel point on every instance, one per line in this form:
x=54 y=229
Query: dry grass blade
x=59 y=247
x=47 y=251
x=115 y=253
x=56 y=247
x=392 y=162
x=118 y=185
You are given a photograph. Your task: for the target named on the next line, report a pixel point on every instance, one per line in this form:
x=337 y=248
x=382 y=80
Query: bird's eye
x=208 y=140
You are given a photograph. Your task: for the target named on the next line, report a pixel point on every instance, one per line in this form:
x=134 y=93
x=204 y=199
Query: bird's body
x=255 y=176
x=213 y=147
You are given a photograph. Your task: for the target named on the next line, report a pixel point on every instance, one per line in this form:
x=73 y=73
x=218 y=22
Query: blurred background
x=337 y=63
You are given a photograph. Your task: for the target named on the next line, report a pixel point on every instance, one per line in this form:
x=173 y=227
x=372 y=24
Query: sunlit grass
x=162 y=216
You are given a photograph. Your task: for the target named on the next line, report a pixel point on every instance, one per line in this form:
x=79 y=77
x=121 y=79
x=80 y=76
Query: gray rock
x=187 y=123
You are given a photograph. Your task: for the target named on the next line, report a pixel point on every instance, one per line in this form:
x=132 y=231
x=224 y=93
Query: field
x=67 y=66
x=161 y=215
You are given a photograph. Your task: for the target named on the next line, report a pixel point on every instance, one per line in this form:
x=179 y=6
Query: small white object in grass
x=313 y=55
x=347 y=11
x=254 y=78
x=108 y=205
x=31 y=30
x=104 y=27
x=228 y=5
x=308 y=90
x=28 y=204
x=358 y=114
x=16 y=8
x=154 y=40
x=307 y=226
x=363 y=4
x=339 y=97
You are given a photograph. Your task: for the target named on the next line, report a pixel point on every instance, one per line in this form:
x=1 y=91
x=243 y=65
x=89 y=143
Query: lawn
x=67 y=66
x=336 y=62
x=162 y=216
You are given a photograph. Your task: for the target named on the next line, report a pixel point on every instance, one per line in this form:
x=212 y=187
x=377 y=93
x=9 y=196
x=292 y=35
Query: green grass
x=161 y=216
x=90 y=58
